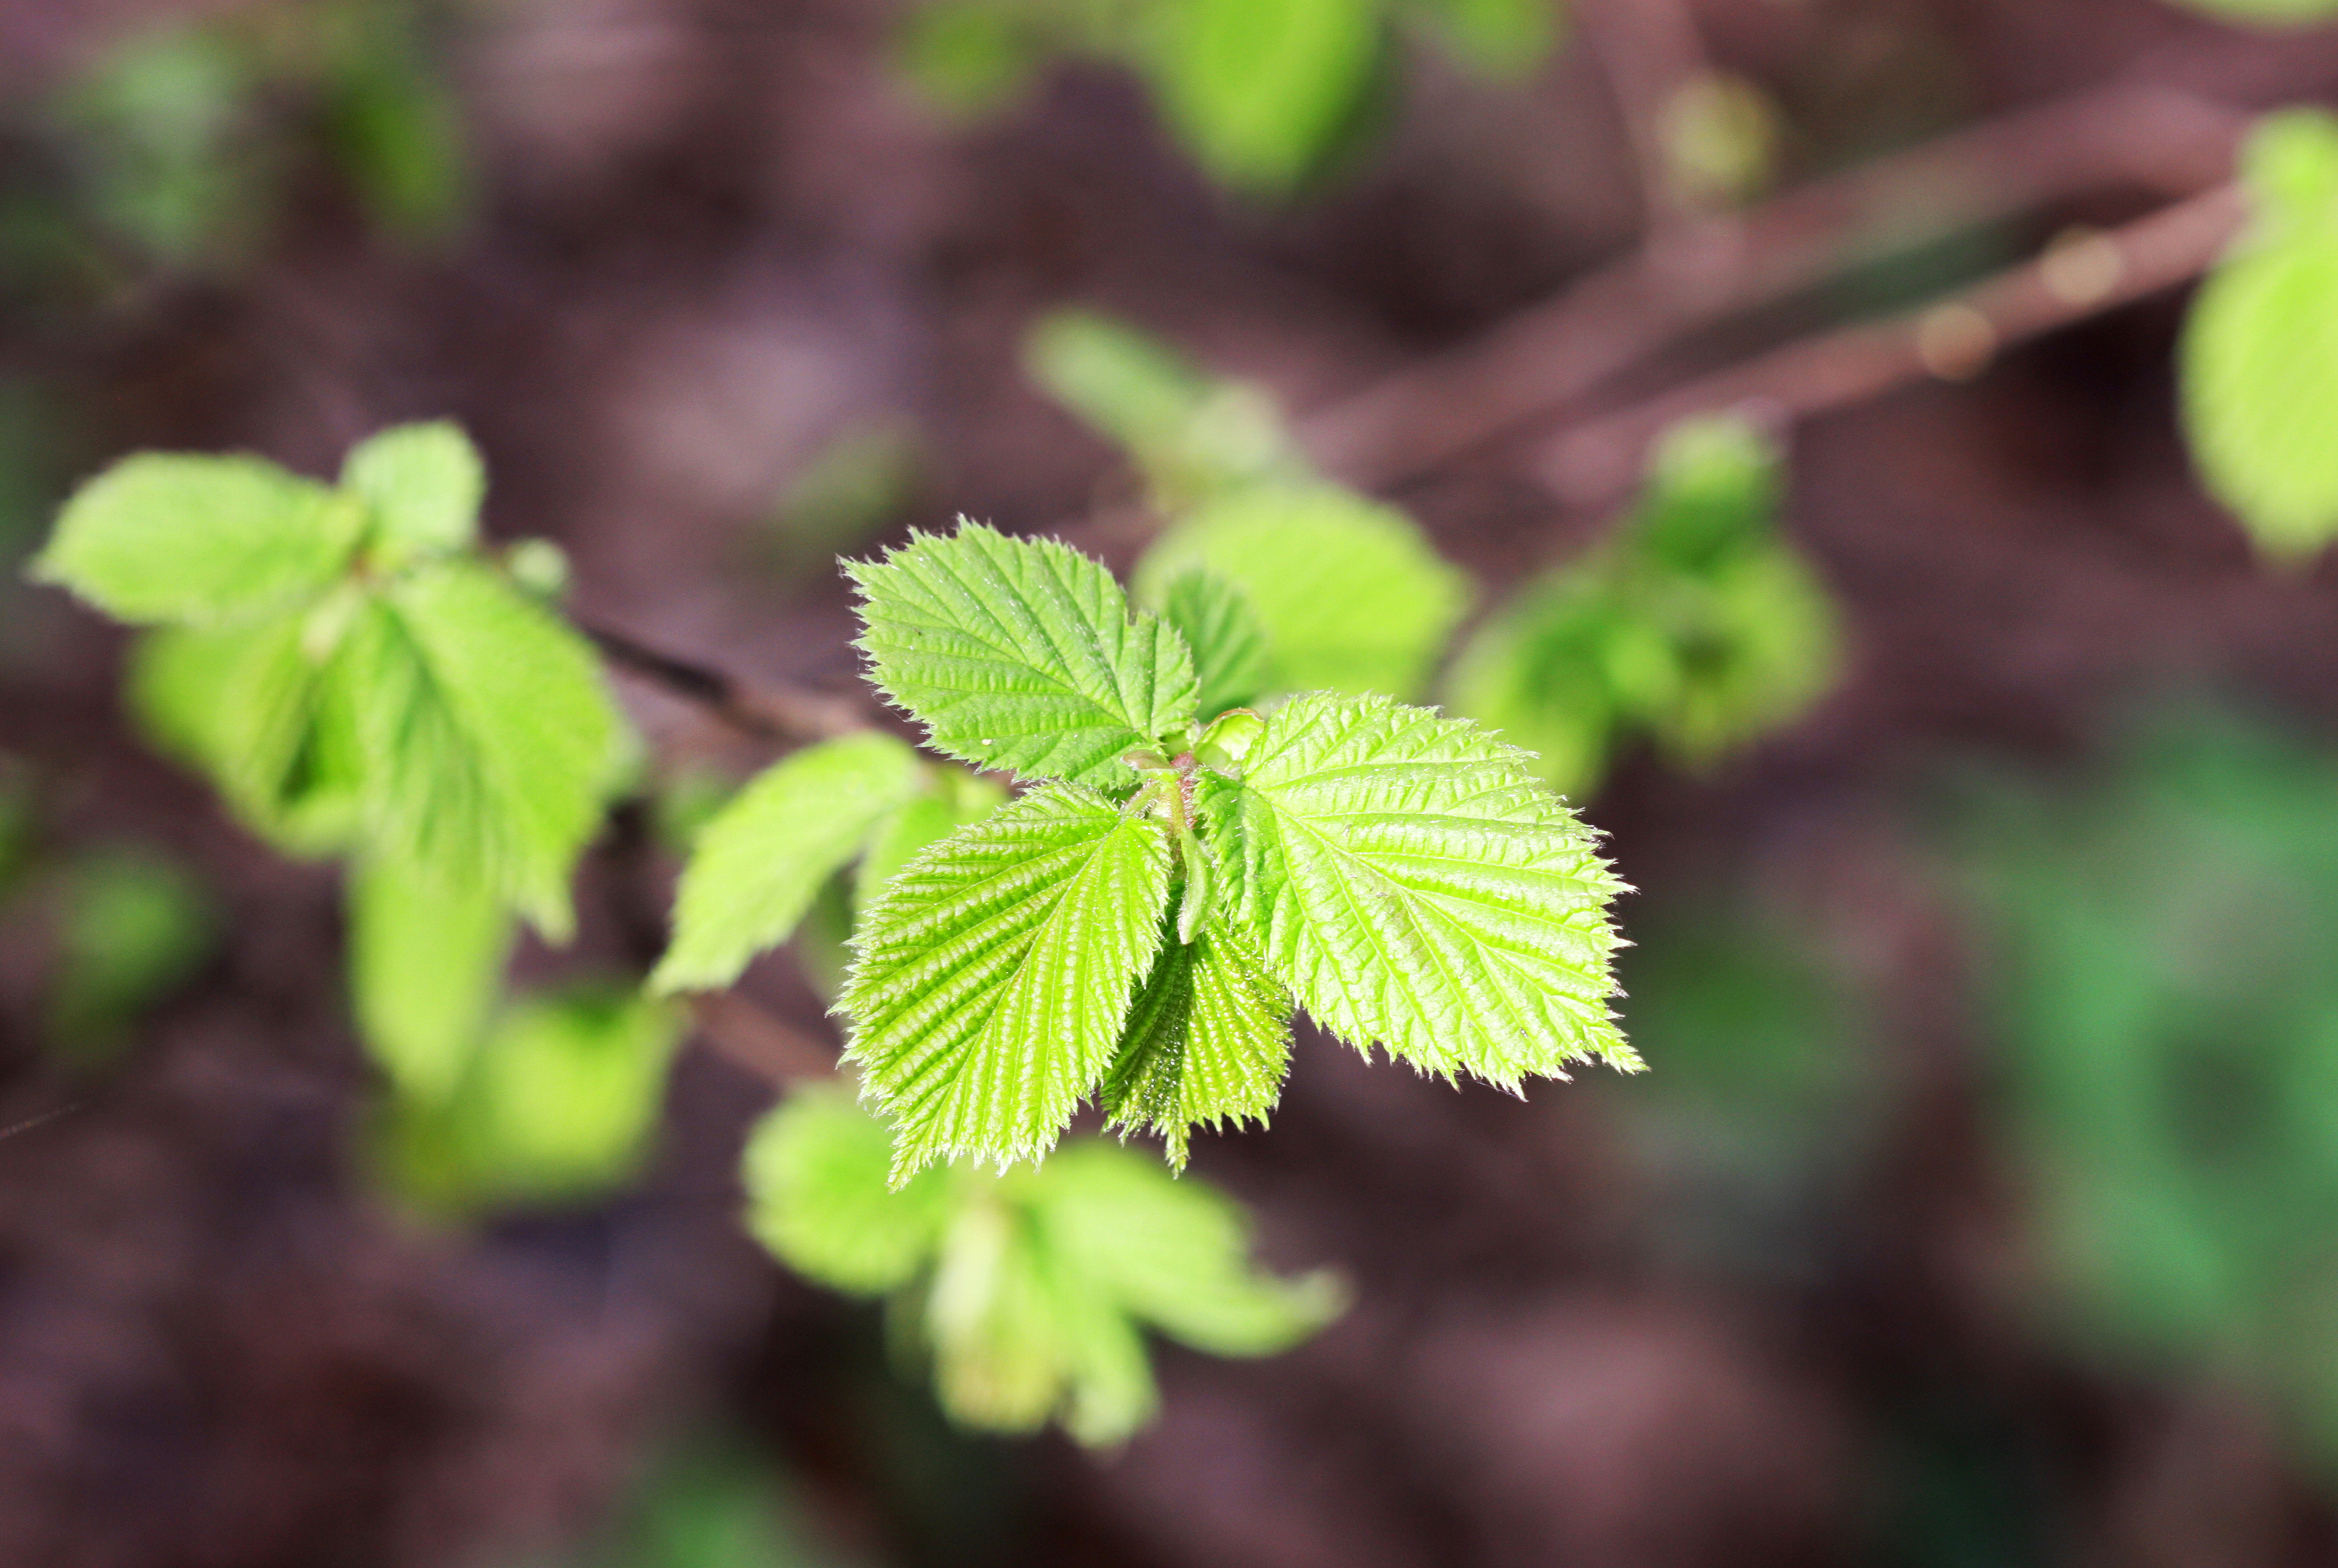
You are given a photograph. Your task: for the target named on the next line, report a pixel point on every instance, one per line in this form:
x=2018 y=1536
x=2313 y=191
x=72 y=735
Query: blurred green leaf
x=2259 y=357
x=426 y=969
x=2267 y=13
x=816 y=1173
x=1259 y=90
x=852 y=488
x=1506 y=40
x=1351 y=596
x=566 y=1092
x=708 y=1506
x=1230 y=656
x=1208 y=1040
x=969 y=57
x=952 y=798
x=422 y=486
x=247 y=706
x=1719 y=131
x=1027 y=1287
x=392 y=118
x=167 y=537
x=758 y=862
x=488 y=739
x=132 y=928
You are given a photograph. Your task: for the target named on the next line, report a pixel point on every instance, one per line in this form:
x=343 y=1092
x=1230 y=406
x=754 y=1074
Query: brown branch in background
x=766 y=712
x=1596 y=464
x=757 y=1040
x=1537 y=363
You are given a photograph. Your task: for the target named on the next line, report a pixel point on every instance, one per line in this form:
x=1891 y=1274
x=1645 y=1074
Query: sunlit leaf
x=1231 y=657
x=422 y=486
x=992 y=976
x=1021 y=654
x=1414 y=886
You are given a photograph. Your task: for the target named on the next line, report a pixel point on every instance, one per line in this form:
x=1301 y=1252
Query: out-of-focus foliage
x=1263 y=93
x=1028 y=1289
x=849 y=489
x=556 y=1104
x=2260 y=352
x=1695 y=623
x=2267 y=13
x=709 y=1505
x=1348 y=593
x=1719 y=136
x=2170 y=1019
x=426 y=970
x=129 y=926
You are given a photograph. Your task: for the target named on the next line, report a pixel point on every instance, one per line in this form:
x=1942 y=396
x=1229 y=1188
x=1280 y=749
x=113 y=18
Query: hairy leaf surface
x=1208 y=1039
x=991 y=978
x=761 y=860
x=954 y=801
x=164 y=537
x=1021 y=654
x=1415 y=886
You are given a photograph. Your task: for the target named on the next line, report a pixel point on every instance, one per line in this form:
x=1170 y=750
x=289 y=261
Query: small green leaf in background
x=1417 y=889
x=970 y=57
x=1351 y=596
x=710 y=1505
x=1029 y=1289
x=1719 y=133
x=170 y=537
x=422 y=486
x=392 y=120
x=760 y=861
x=1506 y=40
x=1695 y=624
x=2259 y=357
x=849 y=490
x=1260 y=90
x=1232 y=660
x=991 y=977
x=816 y=1171
x=2266 y=13
x=426 y=969
x=1208 y=1040
x=1190 y=435
x=134 y=928
x=160 y=129
x=1021 y=654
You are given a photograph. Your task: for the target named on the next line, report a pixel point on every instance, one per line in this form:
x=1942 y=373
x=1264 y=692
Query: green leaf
x=135 y=927
x=1208 y=1038
x=1259 y=89
x=1176 y=1254
x=488 y=739
x=1413 y=885
x=1503 y=39
x=1534 y=674
x=953 y=799
x=1350 y=595
x=248 y=707
x=169 y=537
x=426 y=969
x=422 y=486
x=2267 y=13
x=2259 y=357
x=567 y=1090
x=1231 y=658
x=998 y=1320
x=1021 y=654
x=816 y=1173
x=759 y=863
x=990 y=980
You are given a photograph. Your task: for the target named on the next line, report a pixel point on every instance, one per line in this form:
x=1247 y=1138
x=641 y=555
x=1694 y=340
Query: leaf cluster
x=1264 y=94
x=1028 y=1289
x=1695 y=622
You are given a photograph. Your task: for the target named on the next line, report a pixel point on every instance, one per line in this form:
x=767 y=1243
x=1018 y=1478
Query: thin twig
x=766 y=712
x=1595 y=463
x=1539 y=362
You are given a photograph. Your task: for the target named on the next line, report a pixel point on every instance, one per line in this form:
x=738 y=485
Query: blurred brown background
x=1785 y=1300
